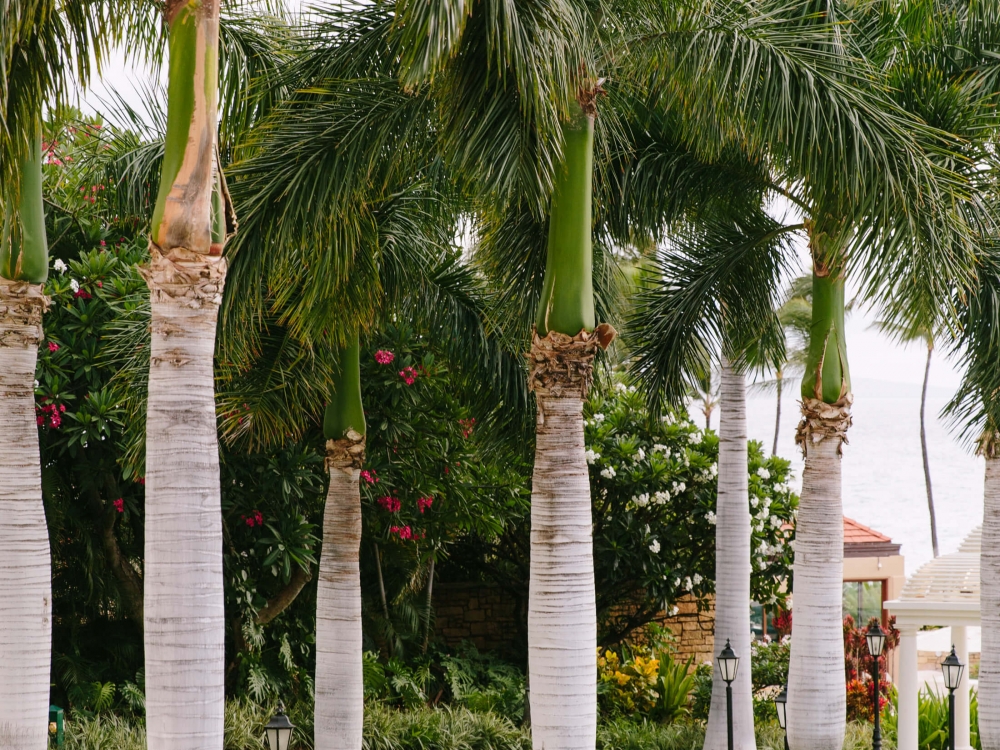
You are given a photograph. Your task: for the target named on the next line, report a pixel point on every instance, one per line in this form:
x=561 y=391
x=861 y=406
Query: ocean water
x=883 y=478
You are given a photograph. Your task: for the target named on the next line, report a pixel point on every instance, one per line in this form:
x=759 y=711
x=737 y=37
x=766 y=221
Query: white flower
x=654 y=547
x=791 y=543
x=763 y=473
x=647 y=529
x=661 y=448
x=36 y=385
x=776 y=523
x=687 y=584
x=674 y=610
x=788 y=639
x=710 y=517
x=754 y=502
x=679 y=487
x=591 y=455
x=677 y=582
x=598 y=418
x=714 y=469
x=74 y=285
x=697 y=579
x=694 y=437
x=631 y=389
x=620 y=387
x=60 y=265
x=661 y=497
x=762 y=564
x=608 y=472
x=642 y=500
x=640 y=455
x=781 y=487
x=667 y=419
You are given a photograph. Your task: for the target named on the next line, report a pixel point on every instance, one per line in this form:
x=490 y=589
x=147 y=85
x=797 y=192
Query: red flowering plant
x=858 y=668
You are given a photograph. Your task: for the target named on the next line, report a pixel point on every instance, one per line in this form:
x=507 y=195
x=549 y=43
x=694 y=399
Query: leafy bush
x=858 y=661
x=628 y=735
x=643 y=683
x=932 y=721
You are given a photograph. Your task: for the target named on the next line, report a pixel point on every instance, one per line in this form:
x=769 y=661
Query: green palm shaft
x=827 y=375
x=24 y=251
x=345 y=411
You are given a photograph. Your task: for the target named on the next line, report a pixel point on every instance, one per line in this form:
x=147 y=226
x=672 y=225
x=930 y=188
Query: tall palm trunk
x=339 y=707
x=989 y=586
x=923 y=447
x=816 y=697
x=732 y=567
x=25 y=560
x=777 y=414
x=562 y=612
x=183 y=597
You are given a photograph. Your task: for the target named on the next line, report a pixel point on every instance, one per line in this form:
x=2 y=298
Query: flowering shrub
x=644 y=683
x=653 y=485
x=857 y=667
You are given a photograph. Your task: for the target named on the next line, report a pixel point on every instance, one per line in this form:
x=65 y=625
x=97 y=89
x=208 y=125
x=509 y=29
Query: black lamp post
x=729 y=662
x=952 y=669
x=876 y=642
x=780 y=700
x=279 y=730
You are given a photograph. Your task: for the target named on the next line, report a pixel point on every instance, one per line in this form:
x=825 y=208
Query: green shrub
x=628 y=735
x=932 y=721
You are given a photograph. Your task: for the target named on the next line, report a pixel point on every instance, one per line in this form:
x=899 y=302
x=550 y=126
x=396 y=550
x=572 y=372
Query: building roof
x=861 y=541
x=949 y=578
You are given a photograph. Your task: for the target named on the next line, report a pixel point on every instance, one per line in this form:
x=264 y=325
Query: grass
x=430 y=729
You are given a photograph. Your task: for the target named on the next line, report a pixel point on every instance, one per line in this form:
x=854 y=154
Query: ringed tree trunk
x=732 y=567
x=339 y=705
x=25 y=559
x=923 y=447
x=562 y=612
x=183 y=577
x=989 y=583
x=817 y=710
x=777 y=415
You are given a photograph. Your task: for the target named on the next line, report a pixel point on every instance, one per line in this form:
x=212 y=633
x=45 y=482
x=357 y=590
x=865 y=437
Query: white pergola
x=943 y=592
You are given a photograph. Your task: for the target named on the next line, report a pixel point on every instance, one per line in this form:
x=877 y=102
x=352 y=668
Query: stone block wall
x=483 y=615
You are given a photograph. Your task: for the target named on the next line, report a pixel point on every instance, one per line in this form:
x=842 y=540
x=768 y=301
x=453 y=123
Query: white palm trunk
x=184 y=609
x=817 y=704
x=562 y=609
x=25 y=561
x=339 y=708
x=989 y=566
x=732 y=568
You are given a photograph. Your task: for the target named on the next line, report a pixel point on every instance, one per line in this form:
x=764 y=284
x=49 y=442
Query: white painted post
x=962 y=720
x=907 y=688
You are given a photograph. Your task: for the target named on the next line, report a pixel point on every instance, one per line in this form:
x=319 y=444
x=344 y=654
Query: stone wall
x=483 y=615
x=487 y=617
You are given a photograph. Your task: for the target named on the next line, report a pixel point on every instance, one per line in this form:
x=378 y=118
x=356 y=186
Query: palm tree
x=38 y=44
x=183 y=581
x=794 y=315
x=925 y=334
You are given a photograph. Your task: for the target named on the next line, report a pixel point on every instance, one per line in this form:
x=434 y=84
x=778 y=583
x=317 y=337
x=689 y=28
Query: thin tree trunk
x=183 y=576
x=25 y=562
x=430 y=606
x=923 y=450
x=732 y=568
x=989 y=573
x=285 y=597
x=381 y=583
x=339 y=684
x=777 y=416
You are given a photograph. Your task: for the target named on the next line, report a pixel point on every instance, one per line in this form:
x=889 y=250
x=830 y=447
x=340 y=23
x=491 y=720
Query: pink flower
x=53 y=346
x=141 y=480
x=403 y=532
x=425 y=503
x=390 y=504
x=119 y=505
x=409 y=375
x=102 y=241
x=467 y=425
x=256 y=518
x=384 y=357
x=82 y=294
x=369 y=476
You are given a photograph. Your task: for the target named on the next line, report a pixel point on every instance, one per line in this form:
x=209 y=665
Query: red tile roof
x=856 y=533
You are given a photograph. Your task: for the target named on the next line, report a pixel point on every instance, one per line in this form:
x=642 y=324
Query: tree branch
x=281 y=601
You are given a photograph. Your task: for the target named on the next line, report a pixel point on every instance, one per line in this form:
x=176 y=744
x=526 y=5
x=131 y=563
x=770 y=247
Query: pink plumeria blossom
x=384 y=357
x=409 y=375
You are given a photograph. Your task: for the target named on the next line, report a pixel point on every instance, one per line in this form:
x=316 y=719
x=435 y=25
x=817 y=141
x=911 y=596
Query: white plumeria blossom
x=74 y=285
x=60 y=265
x=694 y=437
x=679 y=487
x=763 y=473
x=776 y=523
x=598 y=418
x=661 y=448
x=674 y=610
x=711 y=517
x=697 y=579
x=654 y=547
x=754 y=502
x=714 y=470
x=608 y=472
x=762 y=564
x=687 y=584
x=661 y=497
x=591 y=455
x=620 y=387
x=667 y=419
x=642 y=500
x=677 y=582
x=640 y=455
x=647 y=529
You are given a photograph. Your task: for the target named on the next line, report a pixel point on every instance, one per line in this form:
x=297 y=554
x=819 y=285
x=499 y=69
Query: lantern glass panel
x=876 y=641
x=729 y=662
x=952 y=669
x=779 y=706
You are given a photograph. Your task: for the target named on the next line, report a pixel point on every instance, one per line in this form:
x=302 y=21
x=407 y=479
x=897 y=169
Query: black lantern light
x=780 y=701
x=729 y=662
x=876 y=642
x=279 y=730
x=952 y=668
